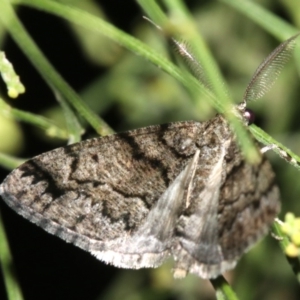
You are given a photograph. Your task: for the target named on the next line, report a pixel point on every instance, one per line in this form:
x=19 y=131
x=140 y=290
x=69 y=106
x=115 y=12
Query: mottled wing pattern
x=233 y=211
x=98 y=193
x=134 y=198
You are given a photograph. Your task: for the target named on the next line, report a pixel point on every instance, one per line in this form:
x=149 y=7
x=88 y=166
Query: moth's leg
x=283 y=154
x=275 y=236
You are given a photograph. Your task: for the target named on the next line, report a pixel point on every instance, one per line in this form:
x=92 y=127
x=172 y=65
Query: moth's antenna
x=183 y=49
x=151 y=22
x=268 y=71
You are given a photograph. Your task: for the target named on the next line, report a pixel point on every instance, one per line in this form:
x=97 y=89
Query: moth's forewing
x=104 y=188
x=105 y=195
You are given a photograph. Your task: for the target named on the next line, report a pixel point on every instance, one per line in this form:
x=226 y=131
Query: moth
x=180 y=190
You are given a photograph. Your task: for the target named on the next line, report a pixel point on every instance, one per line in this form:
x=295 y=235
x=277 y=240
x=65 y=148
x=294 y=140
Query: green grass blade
x=187 y=29
x=12 y=287
x=267 y=20
x=223 y=289
x=50 y=128
x=10 y=162
x=153 y=10
x=54 y=80
x=267 y=140
x=283 y=243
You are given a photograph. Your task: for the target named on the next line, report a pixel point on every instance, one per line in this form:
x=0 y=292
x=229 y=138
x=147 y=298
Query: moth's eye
x=249 y=116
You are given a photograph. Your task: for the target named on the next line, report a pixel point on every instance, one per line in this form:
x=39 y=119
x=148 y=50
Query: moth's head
x=245 y=114
x=248 y=116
